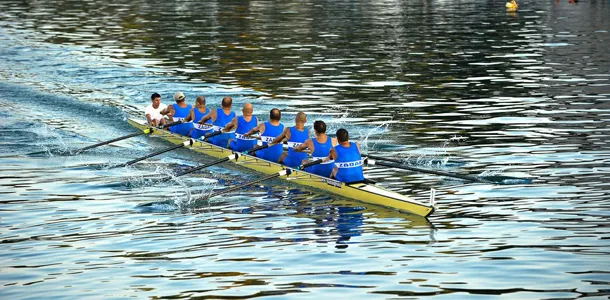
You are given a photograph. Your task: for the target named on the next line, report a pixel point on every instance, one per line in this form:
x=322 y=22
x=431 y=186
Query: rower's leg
x=282 y=157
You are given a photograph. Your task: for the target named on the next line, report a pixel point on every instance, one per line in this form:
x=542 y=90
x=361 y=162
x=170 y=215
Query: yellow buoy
x=512 y=5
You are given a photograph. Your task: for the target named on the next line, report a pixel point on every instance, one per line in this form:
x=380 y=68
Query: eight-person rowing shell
x=340 y=158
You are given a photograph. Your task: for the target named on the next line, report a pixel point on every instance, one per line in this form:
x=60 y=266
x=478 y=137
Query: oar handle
x=313 y=163
x=211 y=134
x=170 y=124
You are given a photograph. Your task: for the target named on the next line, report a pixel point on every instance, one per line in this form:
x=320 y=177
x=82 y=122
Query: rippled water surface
x=456 y=86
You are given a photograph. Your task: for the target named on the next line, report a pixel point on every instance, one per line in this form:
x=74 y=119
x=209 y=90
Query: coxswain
x=153 y=111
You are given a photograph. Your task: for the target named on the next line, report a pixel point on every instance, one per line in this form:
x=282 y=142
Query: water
x=462 y=87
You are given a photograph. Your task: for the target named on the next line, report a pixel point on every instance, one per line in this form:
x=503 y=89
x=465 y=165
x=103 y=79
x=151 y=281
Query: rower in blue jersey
x=348 y=161
x=242 y=125
x=320 y=147
x=269 y=131
x=220 y=117
x=178 y=112
x=295 y=136
x=197 y=113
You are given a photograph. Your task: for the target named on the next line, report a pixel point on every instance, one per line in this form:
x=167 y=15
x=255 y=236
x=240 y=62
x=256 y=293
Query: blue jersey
x=221 y=121
x=241 y=142
x=321 y=151
x=272 y=153
x=200 y=130
x=297 y=137
x=181 y=114
x=349 y=163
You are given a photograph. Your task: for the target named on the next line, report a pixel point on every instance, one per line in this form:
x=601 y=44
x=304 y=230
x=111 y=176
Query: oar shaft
x=446 y=174
x=232 y=156
x=312 y=163
x=131 y=162
x=146 y=131
x=194 y=169
x=241 y=186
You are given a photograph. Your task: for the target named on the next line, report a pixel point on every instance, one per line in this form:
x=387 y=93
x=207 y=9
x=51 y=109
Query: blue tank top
x=297 y=137
x=272 y=153
x=243 y=143
x=179 y=115
x=200 y=130
x=349 y=163
x=321 y=151
x=221 y=121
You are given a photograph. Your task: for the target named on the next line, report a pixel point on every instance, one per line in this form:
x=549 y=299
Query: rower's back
x=348 y=160
x=245 y=123
x=322 y=144
x=224 y=116
x=181 y=111
x=273 y=128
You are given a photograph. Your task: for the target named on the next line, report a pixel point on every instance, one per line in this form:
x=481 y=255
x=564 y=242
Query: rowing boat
x=363 y=192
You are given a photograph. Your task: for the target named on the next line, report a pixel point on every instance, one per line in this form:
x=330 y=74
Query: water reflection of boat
x=364 y=191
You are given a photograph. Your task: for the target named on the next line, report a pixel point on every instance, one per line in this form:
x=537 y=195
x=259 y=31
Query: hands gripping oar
x=397 y=164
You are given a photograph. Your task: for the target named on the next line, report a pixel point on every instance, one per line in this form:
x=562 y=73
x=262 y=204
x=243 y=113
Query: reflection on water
x=463 y=87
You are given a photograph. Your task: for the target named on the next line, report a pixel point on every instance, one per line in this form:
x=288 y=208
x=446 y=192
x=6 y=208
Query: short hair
x=342 y=135
x=319 y=126
x=301 y=117
x=154 y=95
x=226 y=101
x=275 y=114
x=200 y=99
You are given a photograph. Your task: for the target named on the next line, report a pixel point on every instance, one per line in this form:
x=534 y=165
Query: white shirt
x=155 y=113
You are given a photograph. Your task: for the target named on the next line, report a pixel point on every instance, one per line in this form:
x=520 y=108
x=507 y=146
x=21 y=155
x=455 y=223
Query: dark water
x=481 y=90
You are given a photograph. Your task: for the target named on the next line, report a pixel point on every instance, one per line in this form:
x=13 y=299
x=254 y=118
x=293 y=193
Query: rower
x=153 y=111
x=178 y=112
x=197 y=113
x=242 y=125
x=295 y=135
x=269 y=131
x=220 y=117
x=320 y=147
x=348 y=162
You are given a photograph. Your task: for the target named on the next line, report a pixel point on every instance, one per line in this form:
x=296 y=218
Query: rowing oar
x=234 y=155
x=313 y=163
x=145 y=131
x=186 y=143
x=241 y=186
x=397 y=164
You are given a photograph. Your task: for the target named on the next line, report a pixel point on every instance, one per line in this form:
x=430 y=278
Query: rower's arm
x=191 y=116
x=150 y=120
x=284 y=135
x=229 y=126
x=258 y=128
x=305 y=145
x=210 y=116
x=169 y=111
x=333 y=154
